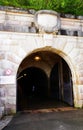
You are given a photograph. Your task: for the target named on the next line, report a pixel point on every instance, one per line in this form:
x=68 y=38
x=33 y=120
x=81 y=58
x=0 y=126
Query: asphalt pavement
x=52 y=120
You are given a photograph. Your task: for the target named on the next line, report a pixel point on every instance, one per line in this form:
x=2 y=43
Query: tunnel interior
x=32 y=88
x=44 y=82
x=54 y=81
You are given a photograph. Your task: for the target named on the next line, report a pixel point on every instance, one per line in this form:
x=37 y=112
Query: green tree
x=62 y=6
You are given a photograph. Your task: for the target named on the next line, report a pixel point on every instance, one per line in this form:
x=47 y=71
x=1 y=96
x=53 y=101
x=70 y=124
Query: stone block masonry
x=19 y=38
x=16 y=20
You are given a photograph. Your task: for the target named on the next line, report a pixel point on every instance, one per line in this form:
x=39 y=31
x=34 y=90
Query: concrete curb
x=4 y=122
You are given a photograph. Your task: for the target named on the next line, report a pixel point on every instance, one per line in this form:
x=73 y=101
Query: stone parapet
x=16 y=22
x=23 y=21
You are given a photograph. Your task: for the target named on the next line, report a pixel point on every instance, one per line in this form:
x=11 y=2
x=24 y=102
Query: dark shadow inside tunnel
x=32 y=88
x=61 y=86
x=54 y=82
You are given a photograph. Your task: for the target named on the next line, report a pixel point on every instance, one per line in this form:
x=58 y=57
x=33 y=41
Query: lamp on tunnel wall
x=37 y=58
x=47 y=21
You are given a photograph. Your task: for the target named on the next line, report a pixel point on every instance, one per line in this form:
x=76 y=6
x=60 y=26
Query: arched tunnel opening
x=61 y=83
x=44 y=82
x=32 y=88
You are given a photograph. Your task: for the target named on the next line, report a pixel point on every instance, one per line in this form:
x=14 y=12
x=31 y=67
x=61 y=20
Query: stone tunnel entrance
x=44 y=80
x=32 y=88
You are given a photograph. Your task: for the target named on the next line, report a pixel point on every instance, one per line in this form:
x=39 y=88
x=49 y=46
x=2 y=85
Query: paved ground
x=5 y=121
x=55 y=120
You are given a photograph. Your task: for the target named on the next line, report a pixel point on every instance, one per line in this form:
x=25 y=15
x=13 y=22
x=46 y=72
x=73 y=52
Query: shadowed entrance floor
x=37 y=104
x=60 y=120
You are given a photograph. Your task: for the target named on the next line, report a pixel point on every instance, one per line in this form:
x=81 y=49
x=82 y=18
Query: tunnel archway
x=41 y=77
x=61 y=83
x=32 y=88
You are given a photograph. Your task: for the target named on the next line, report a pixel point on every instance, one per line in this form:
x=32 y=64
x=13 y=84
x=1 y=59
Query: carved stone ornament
x=47 y=21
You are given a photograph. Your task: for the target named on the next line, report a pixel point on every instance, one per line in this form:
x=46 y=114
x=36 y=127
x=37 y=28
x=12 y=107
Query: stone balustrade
x=19 y=21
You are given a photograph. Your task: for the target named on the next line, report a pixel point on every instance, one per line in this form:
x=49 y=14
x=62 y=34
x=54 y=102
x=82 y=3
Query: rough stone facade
x=19 y=37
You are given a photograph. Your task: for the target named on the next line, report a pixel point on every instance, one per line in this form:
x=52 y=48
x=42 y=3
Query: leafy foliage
x=62 y=6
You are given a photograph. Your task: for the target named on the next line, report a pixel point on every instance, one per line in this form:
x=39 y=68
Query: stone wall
x=70 y=48
x=15 y=20
x=15 y=45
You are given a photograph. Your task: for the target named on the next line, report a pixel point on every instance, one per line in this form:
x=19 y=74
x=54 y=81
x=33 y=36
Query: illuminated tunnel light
x=37 y=58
